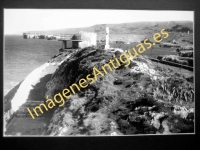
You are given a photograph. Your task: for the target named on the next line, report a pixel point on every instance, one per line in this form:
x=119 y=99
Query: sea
x=22 y=56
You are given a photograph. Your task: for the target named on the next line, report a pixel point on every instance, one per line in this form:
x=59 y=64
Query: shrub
x=97 y=122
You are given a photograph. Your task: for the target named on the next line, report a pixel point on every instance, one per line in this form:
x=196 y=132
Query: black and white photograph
x=98 y=72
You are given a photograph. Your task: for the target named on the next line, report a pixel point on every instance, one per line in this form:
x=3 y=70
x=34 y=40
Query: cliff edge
x=142 y=98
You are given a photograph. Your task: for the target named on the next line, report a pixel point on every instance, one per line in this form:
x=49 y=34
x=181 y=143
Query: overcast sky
x=17 y=21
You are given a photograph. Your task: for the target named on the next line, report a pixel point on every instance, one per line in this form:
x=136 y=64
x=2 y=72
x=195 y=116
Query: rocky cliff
x=143 y=98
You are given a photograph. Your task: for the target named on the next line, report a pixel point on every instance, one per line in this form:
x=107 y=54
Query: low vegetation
x=142 y=98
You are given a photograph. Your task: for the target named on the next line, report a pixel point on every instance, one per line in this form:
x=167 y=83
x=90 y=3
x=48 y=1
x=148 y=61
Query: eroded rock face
x=128 y=100
x=28 y=84
x=30 y=89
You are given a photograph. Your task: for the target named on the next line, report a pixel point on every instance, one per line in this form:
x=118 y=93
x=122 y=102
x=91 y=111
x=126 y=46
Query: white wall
x=88 y=39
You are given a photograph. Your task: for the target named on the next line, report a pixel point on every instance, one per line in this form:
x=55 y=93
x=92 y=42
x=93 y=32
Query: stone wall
x=88 y=39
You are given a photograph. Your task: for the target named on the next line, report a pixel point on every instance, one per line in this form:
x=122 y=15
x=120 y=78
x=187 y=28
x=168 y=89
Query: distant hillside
x=141 y=27
x=128 y=28
x=66 y=31
x=129 y=32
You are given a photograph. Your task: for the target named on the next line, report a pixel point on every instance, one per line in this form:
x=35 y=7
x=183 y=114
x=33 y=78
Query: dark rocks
x=130 y=97
x=117 y=82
